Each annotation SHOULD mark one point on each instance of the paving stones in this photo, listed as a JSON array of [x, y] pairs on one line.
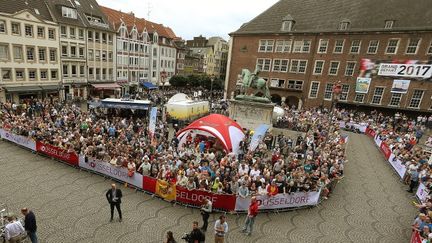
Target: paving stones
[[368, 205]]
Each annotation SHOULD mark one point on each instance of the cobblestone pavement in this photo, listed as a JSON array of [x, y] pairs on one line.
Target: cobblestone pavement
[[368, 205]]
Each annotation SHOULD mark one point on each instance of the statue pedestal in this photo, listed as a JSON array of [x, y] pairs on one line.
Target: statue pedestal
[[249, 114]]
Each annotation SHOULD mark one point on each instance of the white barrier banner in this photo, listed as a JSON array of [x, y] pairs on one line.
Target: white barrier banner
[[361, 127], [280, 201], [422, 192], [20, 140], [378, 141], [119, 173], [397, 165]]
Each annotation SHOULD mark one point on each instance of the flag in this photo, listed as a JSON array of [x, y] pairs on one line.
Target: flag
[[166, 190], [152, 122], [258, 136]]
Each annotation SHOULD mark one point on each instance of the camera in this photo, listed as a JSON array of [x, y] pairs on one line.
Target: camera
[[187, 237]]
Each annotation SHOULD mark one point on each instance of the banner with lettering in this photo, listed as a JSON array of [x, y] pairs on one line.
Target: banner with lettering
[[20, 140], [280, 201], [165, 190], [196, 198], [58, 153], [116, 172]]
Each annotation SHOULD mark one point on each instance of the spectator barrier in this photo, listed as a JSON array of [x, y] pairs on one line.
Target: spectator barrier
[[163, 189]]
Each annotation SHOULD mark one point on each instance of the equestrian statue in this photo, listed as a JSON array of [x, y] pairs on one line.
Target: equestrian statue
[[252, 81]]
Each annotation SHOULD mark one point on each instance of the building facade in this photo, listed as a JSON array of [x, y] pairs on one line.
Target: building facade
[[145, 50], [72, 48], [214, 52], [303, 56], [29, 52]]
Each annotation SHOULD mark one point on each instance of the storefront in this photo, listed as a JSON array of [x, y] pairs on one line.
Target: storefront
[[105, 90]]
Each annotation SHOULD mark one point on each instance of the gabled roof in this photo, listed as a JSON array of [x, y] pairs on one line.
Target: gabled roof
[[55, 7], [325, 15], [15, 6], [118, 17], [92, 8]]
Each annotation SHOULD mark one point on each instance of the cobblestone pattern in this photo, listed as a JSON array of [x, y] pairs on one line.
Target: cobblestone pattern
[[368, 205]]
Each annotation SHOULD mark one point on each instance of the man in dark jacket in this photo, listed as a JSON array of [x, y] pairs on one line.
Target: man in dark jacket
[[30, 224], [114, 196]]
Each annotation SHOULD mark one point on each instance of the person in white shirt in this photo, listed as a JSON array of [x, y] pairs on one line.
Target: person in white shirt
[[254, 172], [14, 230], [221, 228], [244, 169]]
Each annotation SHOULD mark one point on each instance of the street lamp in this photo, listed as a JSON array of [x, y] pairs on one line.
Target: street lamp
[[337, 89], [211, 91]]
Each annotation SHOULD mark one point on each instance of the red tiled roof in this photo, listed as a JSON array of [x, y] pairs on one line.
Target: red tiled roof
[[116, 17]]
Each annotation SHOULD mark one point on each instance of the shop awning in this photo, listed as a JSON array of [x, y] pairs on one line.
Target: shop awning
[[149, 85], [23, 88], [50, 87], [106, 86]]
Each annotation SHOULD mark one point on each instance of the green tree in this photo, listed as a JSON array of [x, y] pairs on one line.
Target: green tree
[[193, 81], [178, 81]]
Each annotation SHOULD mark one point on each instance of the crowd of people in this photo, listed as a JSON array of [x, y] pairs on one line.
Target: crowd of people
[[279, 164]]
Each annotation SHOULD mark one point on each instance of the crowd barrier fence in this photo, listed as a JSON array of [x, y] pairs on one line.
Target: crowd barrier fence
[[162, 189]]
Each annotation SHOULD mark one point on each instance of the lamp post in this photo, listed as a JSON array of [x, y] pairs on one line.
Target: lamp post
[[337, 89], [211, 91]]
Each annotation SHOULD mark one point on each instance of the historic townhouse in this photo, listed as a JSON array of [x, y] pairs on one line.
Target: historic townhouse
[[29, 51], [214, 52], [100, 50], [72, 47], [303, 51], [145, 50]]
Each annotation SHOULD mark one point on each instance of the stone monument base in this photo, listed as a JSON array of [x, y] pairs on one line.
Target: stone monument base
[[250, 114]]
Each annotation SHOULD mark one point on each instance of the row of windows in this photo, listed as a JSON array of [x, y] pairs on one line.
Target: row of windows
[[73, 33], [27, 30], [376, 99], [300, 66], [32, 54], [20, 74], [133, 61], [72, 51], [100, 73], [303, 46], [99, 37], [132, 47], [73, 70], [97, 55]]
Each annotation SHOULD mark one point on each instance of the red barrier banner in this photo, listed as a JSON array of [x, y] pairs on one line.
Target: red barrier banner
[[196, 197], [58, 153], [370, 132], [149, 184], [385, 149], [415, 237]]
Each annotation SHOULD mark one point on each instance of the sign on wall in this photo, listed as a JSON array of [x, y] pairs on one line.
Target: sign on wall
[[405, 70], [362, 85]]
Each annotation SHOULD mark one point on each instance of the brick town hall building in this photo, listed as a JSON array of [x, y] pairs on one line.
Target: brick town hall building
[[304, 47]]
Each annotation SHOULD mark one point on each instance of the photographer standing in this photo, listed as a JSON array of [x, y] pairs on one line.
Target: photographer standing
[[206, 209], [196, 236]]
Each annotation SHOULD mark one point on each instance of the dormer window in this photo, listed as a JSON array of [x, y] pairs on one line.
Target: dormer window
[[388, 24], [155, 38], [123, 32], [69, 12], [287, 23], [344, 24]]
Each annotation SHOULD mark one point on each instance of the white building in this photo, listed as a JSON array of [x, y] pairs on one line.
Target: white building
[[29, 52]]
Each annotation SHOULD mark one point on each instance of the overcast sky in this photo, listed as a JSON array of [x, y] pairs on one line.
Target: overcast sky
[[189, 18]]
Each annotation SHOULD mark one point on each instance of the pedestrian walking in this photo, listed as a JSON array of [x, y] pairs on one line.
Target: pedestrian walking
[[221, 228], [114, 196], [14, 231], [250, 218], [170, 238], [206, 209], [30, 224]]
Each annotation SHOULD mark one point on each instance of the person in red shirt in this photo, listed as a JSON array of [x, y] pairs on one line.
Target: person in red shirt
[[250, 218]]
